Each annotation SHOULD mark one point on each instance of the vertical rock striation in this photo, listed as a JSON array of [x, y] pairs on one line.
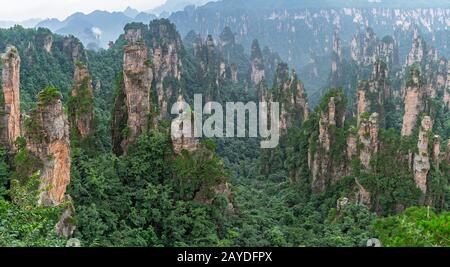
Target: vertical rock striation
[[137, 76], [10, 128], [414, 100], [422, 157], [257, 60], [81, 106], [47, 134]]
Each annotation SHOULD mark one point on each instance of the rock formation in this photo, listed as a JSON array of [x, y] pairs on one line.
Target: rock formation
[[137, 75], [371, 94], [414, 100], [186, 141], [422, 157], [447, 90], [337, 54], [73, 48], [368, 137], [257, 60], [363, 47], [10, 118], [166, 62], [290, 93], [81, 105], [387, 51], [47, 135], [324, 168], [418, 51]]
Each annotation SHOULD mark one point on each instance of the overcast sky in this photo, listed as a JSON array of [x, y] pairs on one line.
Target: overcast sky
[[19, 10]]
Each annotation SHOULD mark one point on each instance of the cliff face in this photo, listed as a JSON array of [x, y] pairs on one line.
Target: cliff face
[[137, 76], [47, 134], [414, 101], [422, 157], [257, 60], [166, 61], [387, 51], [336, 59], [447, 90], [368, 137], [73, 48], [324, 169], [290, 93], [10, 129], [185, 141], [81, 106], [363, 47], [371, 94], [418, 51]]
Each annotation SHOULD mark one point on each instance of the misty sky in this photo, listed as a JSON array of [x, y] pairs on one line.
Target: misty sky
[[18, 10]]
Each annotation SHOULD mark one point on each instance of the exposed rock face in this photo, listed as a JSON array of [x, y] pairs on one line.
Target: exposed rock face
[[414, 98], [323, 168], [258, 71], [10, 129], [422, 157], [437, 150], [363, 197], [138, 78], [447, 90], [368, 136], [48, 44], [82, 112], [387, 51], [337, 54], [185, 142], [290, 93], [223, 189], [372, 93], [167, 45], [363, 47], [418, 51], [234, 73], [48, 139], [73, 48]]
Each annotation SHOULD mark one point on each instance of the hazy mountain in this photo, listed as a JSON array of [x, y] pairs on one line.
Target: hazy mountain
[[171, 6], [98, 28], [30, 23]]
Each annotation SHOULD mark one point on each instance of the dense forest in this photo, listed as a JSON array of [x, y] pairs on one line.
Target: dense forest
[[87, 154]]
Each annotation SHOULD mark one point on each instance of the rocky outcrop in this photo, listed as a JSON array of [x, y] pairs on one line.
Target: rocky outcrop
[[371, 94], [363, 197], [81, 106], [185, 141], [387, 51], [10, 111], [234, 73], [166, 62], [363, 47], [73, 48], [368, 137], [47, 135], [324, 168], [257, 60], [336, 55], [290, 93], [447, 90], [414, 100], [137, 76], [422, 157], [418, 51]]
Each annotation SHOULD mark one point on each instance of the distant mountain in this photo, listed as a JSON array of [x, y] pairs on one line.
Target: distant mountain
[[171, 6], [30, 23], [98, 28]]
